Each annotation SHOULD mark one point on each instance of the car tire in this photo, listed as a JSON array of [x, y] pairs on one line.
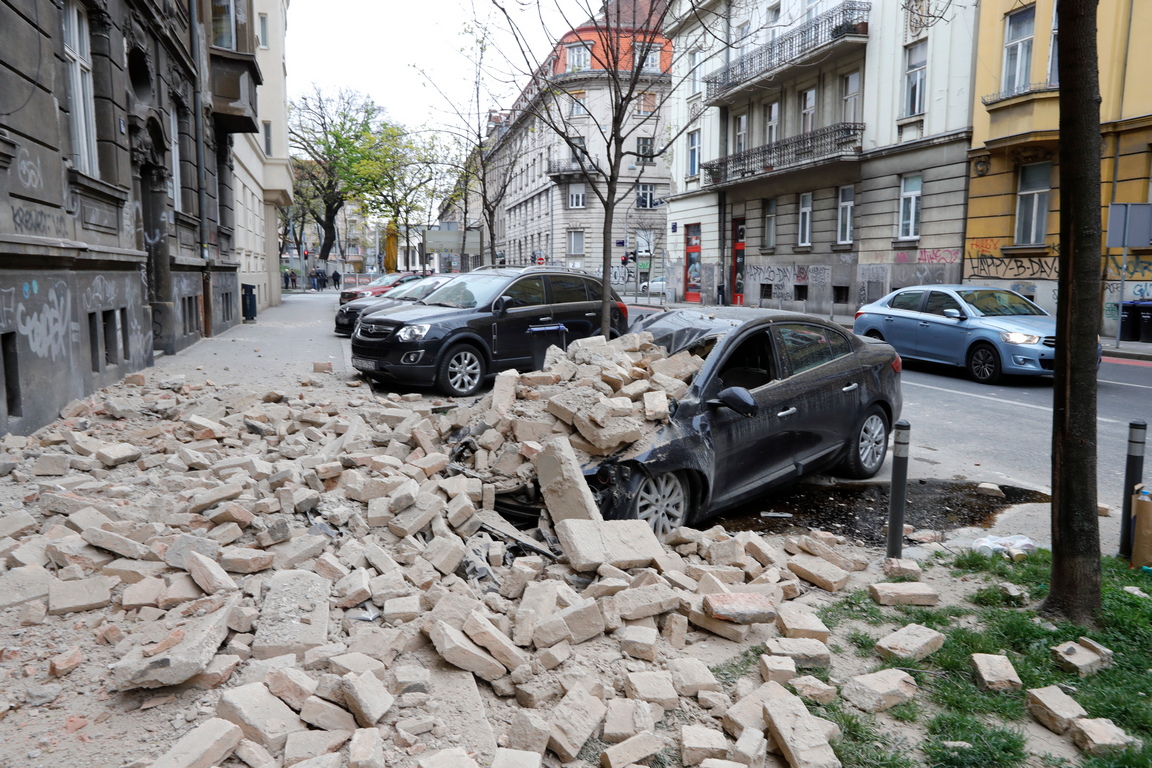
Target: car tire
[[461, 371], [664, 502], [869, 444], [984, 364], [875, 335]]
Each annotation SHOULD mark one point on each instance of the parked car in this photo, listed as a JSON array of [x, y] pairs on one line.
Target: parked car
[[779, 397], [349, 314], [657, 286], [377, 287], [480, 323], [988, 331]]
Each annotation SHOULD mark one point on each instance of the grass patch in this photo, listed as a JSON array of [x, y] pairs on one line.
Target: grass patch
[[865, 644], [862, 744], [990, 597], [908, 712], [855, 605], [992, 747], [728, 672], [939, 619]]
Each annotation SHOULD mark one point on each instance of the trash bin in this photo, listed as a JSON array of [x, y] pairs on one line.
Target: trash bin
[[1130, 321], [1146, 322], [543, 336], [248, 302]]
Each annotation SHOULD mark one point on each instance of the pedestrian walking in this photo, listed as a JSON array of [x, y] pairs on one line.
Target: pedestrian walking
[[292, 277], [315, 274], [284, 276], [335, 279], [323, 278]]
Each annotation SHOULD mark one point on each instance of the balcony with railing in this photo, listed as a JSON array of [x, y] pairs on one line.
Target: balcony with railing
[[1023, 90], [837, 142], [571, 167], [842, 28]]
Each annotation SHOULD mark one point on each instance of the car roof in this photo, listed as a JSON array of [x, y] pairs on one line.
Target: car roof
[[677, 329], [953, 287]]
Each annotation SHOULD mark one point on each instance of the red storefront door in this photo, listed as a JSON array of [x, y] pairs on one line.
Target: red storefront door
[[692, 262], [738, 262]]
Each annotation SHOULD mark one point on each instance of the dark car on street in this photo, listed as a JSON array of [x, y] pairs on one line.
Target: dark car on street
[[378, 287], [349, 314], [989, 332], [779, 397], [482, 322]]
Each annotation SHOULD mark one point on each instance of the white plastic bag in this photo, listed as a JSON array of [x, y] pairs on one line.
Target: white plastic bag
[[1015, 547]]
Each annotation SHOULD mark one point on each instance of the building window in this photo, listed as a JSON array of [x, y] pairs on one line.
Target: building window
[[910, 206], [263, 30], [740, 133], [772, 22], [850, 97], [645, 195], [812, 8], [1018, 50], [78, 58], [1032, 204], [579, 57], [772, 122], [576, 242], [769, 240], [1053, 50], [645, 103], [847, 200], [579, 152], [808, 110], [644, 151], [268, 138], [576, 195], [647, 58], [693, 153], [644, 240], [224, 24], [174, 152], [743, 36], [800, 293], [694, 71], [579, 103], [915, 70], [804, 230]]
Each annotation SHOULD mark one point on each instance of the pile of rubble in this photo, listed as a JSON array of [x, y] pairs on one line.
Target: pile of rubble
[[281, 581]]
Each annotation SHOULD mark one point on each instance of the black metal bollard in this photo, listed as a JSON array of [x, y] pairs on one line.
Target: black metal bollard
[[899, 492], [1133, 476]]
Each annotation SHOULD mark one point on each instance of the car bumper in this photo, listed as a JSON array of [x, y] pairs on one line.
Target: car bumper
[[411, 363], [1027, 359]]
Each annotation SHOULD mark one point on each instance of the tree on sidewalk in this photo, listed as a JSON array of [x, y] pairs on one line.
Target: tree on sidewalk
[[1074, 590]]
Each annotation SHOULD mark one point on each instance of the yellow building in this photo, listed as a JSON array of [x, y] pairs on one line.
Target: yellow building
[[1012, 237]]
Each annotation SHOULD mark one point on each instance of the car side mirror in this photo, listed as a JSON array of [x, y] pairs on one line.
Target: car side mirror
[[954, 314], [738, 399], [500, 306]]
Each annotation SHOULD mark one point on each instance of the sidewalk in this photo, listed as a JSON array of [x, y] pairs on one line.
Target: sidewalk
[[1128, 350]]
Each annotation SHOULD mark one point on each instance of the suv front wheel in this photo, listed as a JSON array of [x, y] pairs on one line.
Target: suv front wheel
[[461, 371]]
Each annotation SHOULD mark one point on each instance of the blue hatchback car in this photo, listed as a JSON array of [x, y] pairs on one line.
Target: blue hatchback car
[[989, 331]]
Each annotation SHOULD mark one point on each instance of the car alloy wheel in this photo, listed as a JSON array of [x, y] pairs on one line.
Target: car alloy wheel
[[984, 364], [662, 502], [872, 442], [462, 371]]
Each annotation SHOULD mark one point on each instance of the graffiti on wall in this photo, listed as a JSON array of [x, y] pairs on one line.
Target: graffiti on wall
[[929, 256], [34, 221], [1137, 267], [28, 170], [1013, 267], [46, 322]]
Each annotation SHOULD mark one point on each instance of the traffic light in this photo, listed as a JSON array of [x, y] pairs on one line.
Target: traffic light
[[631, 255], [305, 253], [624, 260]]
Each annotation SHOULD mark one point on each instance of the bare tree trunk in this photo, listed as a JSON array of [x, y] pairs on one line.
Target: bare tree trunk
[[1075, 583], [606, 253]]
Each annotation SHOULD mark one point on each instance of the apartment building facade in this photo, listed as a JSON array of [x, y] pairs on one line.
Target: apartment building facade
[[261, 172], [115, 238], [823, 153], [554, 147], [1014, 183]]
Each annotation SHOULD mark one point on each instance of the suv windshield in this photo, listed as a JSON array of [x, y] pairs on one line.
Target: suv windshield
[[991, 303], [468, 291], [421, 288]]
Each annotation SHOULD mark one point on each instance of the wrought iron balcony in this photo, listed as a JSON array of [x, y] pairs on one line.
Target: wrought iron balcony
[[571, 166], [836, 142], [846, 23], [1044, 87]]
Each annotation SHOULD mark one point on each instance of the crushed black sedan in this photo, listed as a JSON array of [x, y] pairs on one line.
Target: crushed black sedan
[[779, 397]]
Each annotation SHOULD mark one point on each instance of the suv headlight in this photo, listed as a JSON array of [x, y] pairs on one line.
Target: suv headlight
[[412, 332], [1016, 337]]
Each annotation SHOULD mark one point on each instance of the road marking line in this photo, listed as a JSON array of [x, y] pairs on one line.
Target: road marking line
[[1124, 384], [1000, 400]]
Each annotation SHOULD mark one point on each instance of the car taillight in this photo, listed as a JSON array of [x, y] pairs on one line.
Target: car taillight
[[858, 313], [897, 365], [623, 309]]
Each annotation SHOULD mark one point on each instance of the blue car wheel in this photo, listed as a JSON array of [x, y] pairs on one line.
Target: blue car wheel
[[984, 364]]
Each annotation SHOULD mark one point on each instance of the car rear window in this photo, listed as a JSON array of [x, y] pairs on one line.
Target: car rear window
[[595, 289], [909, 300], [567, 289], [807, 346]]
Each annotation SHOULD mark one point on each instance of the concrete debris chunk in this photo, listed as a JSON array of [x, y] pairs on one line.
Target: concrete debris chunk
[[904, 593], [995, 673], [457, 649], [261, 716], [207, 745], [573, 721], [795, 731], [820, 572], [366, 697], [740, 608], [1055, 709], [191, 648], [912, 641], [1100, 736], [293, 615], [625, 718], [624, 544], [698, 743], [562, 483], [804, 651], [640, 747], [881, 690], [1084, 656]]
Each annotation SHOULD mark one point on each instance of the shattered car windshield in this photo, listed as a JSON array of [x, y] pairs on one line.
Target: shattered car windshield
[[468, 291], [990, 303]]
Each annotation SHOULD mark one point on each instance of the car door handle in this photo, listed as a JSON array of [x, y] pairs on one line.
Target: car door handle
[[854, 385], [591, 314], [789, 412], [889, 319], [544, 320], [923, 324]]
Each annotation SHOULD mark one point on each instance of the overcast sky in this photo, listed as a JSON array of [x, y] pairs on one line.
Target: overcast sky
[[378, 47]]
